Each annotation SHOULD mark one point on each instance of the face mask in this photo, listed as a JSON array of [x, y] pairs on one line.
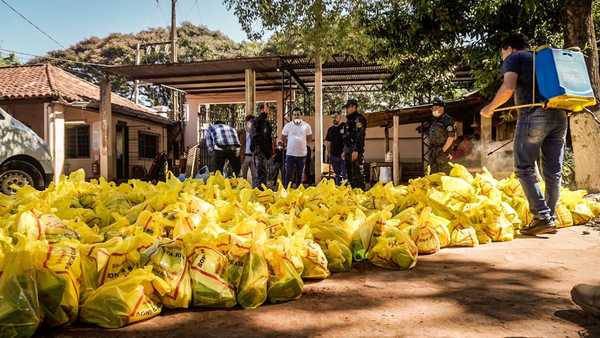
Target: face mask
[[297, 121], [437, 113]]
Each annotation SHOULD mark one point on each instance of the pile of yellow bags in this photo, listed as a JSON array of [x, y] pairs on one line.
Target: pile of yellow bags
[[112, 254]]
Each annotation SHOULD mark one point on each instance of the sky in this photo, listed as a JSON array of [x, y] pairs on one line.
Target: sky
[[69, 21]]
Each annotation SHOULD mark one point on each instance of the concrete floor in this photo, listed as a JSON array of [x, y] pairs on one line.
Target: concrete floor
[[519, 288]]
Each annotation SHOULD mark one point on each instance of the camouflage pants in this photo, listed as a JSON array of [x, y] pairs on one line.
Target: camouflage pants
[[438, 161], [355, 171]]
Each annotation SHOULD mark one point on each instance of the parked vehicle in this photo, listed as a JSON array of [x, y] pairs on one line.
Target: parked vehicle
[[24, 156]]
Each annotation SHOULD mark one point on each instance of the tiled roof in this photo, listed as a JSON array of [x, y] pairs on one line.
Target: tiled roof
[[48, 81]]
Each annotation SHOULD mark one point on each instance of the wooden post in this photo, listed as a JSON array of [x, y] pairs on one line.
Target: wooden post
[[396, 150], [136, 88], [106, 140], [250, 91], [486, 138], [386, 131], [279, 119], [318, 132]]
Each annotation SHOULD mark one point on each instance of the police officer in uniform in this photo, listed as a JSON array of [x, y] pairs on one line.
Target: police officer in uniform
[[354, 145], [441, 133]]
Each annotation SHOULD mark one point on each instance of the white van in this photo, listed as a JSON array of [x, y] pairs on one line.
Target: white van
[[24, 156]]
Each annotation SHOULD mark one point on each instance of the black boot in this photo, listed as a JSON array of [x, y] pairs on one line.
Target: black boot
[[540, 226]]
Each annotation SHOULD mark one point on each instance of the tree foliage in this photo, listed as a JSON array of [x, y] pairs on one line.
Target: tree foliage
[[425, 41], [9, 60], [309, 27], [196, 43]]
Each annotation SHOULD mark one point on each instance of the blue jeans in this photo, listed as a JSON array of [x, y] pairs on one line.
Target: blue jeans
[[545, 131], [294, 166], [339, 168]]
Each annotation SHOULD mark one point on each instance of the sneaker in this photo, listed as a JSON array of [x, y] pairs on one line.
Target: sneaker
[[587, 297], [540, 226]]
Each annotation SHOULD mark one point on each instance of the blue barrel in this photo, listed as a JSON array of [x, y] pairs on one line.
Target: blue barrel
[[562, 79]]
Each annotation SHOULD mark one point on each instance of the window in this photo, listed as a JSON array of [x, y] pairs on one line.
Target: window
[[77, 139], [147, 145]]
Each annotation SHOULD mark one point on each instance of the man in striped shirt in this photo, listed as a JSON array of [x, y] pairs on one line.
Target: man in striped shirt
[[223, 145]]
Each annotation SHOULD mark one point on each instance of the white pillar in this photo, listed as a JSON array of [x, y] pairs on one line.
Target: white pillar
[[318, 133], [57, 132], [396, 150]]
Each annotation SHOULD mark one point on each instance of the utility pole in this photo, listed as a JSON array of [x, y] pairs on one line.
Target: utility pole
[[173, 31], [174, 94]]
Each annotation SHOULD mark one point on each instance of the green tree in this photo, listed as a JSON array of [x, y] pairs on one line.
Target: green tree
[[425, 41], [10, 60]]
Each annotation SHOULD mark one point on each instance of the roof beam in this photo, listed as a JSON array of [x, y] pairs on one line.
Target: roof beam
[[297, 79]]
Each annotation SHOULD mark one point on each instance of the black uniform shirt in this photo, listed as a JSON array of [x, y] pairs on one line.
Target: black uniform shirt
[[336, 135], [356, 129], [439, 129]]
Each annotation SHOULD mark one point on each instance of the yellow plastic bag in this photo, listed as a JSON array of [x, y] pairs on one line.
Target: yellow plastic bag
[[582, 213], [125, 300], [464, 236], [20, 310], [394, 250], [58, 283], [461, 172], [563, 216], [426, 239], [111, 260], [169, 262], [252, 290], [457, 185], [37, 225], [285, 282], [339, 255], [314, 261], [208, 269]]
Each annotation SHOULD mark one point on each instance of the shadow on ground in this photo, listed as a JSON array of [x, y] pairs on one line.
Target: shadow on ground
[[483, 293]]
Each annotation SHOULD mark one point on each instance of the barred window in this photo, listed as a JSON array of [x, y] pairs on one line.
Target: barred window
[[147, 145], [77, 139]]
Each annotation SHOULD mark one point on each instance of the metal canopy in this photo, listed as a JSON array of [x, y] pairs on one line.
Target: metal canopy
[[416, 114], [218, 76]]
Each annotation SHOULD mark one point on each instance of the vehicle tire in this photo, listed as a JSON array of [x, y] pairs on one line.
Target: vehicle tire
[[19, 173]]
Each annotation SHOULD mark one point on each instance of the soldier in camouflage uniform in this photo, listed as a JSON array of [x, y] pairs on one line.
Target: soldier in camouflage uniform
[[354, 145], [441, 133]]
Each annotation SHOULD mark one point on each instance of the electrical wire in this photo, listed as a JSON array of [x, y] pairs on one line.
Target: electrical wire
[[8, 51], [31, 23]]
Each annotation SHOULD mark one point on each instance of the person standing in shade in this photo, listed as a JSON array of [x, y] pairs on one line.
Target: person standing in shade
[[277, 164], [296, 136], [441, 133], [223, 145], [247, 160], [538, 130], [335, 145], [354, 145], [262, 147]]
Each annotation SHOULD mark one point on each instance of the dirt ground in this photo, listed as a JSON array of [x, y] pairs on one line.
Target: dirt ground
[[513, 289]]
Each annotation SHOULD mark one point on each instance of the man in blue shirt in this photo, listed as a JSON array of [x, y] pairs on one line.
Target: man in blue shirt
[[247, 158], [538, 129], [223, 145]]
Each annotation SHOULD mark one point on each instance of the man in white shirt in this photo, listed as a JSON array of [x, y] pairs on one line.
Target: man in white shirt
[[296, 134]]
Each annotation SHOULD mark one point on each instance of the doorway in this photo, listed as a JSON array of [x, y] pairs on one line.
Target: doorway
[[122, 150]]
